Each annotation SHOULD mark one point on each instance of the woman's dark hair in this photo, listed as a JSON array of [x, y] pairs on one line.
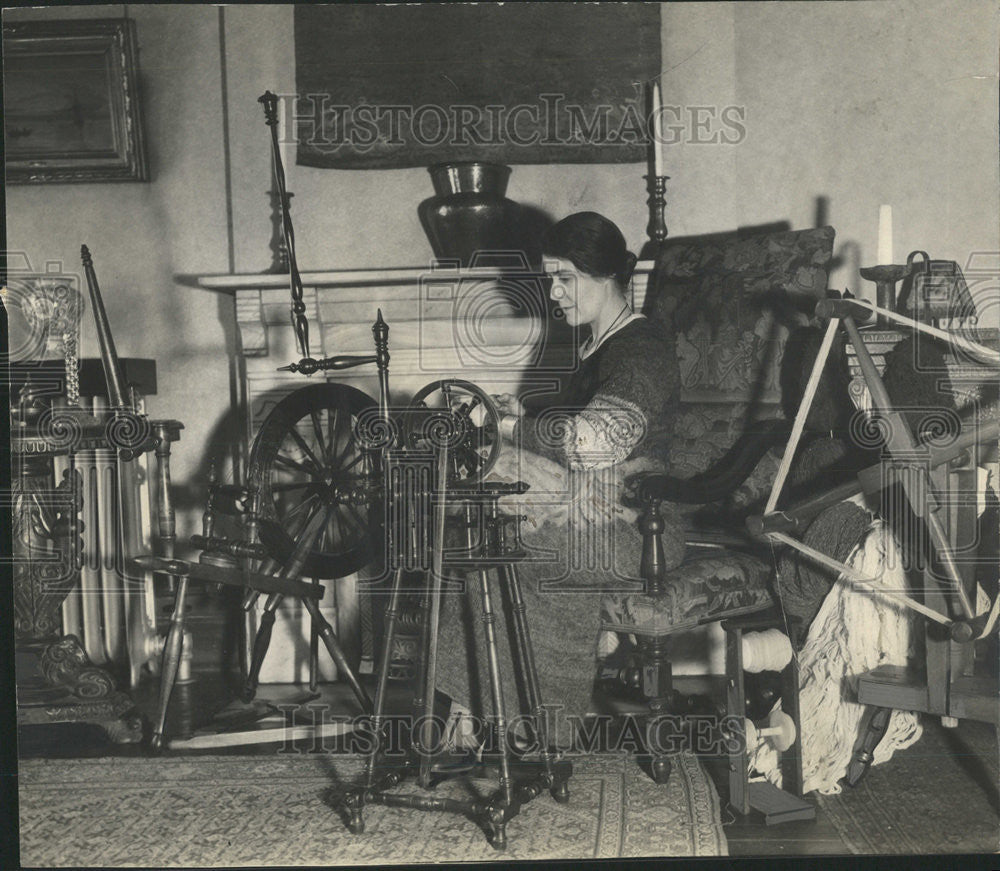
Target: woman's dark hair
[[593, 244]]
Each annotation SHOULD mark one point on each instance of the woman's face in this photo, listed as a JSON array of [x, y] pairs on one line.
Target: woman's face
[[579, 295]]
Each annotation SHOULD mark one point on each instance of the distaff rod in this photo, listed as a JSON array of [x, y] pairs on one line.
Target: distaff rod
[[270, 103]]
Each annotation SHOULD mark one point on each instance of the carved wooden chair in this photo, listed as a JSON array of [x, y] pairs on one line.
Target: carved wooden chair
[[729, 305]]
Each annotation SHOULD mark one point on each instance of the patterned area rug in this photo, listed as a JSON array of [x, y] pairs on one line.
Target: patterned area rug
[[914, 805], [212, 810]]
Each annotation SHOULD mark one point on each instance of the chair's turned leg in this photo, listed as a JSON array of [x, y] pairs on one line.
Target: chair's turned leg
[[171, 661], [261, 643], [657, 689]]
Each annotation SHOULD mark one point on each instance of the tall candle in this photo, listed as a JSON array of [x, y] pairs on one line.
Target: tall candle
[[657, 110], [884, 235]]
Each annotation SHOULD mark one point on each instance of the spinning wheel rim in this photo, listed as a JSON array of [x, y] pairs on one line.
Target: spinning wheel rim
[[322, 471], [477, 466]]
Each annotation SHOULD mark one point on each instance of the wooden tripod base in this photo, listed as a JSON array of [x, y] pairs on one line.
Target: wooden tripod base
[[491, 813]]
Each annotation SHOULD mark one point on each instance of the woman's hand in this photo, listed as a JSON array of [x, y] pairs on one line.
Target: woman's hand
[[507, 403], [511, 411]]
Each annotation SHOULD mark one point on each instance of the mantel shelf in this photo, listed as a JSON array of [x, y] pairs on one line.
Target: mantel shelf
[[403, 275]]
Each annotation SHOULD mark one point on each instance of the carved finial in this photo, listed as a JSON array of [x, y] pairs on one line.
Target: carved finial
[[381, 329], [307, 366], [85, 256], [270, 103]]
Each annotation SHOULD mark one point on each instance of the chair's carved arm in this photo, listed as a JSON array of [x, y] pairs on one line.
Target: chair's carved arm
[[725, 476], [653, 564]]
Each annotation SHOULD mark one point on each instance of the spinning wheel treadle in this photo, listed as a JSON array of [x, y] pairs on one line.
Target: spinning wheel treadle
[[311, 454]]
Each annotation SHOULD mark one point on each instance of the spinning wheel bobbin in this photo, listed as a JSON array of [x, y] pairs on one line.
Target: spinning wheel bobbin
[[780, 730]]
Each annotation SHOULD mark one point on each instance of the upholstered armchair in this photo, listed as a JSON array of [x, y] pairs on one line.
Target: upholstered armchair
[[738, 309]]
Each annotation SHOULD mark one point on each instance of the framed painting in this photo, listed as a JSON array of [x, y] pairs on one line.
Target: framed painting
[[71, 106]]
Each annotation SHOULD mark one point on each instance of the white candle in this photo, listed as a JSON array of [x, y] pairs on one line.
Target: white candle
[[657, 110], [884, 235]]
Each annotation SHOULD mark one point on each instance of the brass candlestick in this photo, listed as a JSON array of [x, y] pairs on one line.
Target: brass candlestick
[[656, 229], [279, 250], [885, 278]]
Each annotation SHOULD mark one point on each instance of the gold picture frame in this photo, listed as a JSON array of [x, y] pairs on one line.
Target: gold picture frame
[[71, 102]]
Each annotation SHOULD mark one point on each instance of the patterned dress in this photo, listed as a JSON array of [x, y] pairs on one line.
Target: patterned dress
[[611, 419]]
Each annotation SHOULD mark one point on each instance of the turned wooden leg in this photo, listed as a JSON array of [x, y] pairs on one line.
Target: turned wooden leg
[[167, 432], [660, 767], [494, 820], [261, 642], [496, 688], [657, 690], [875, 731], [310, 531], [382, 682], [332, 644], [432, 617], [313, 656], [560, 792], [171, 661], [165, 520], [354, 812]]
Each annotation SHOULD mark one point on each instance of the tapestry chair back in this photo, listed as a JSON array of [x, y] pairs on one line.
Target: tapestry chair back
[[728, 304]]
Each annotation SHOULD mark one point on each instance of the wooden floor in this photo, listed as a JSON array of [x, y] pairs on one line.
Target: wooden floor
[[196, 706]]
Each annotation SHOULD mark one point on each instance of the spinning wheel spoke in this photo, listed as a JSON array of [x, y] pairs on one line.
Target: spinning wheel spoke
[[355, 518], [338, 433], [320, 438], [351, 464], [471, 459], [300, 506], [299, 467], [282, 488], [331, 449], [301, 442], [315, 507], [329, 538]]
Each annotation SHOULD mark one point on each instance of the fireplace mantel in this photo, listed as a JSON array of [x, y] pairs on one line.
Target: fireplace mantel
[[479, 323]]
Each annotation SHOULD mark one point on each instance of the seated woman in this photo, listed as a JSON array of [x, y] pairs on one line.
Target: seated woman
[[611, 419]]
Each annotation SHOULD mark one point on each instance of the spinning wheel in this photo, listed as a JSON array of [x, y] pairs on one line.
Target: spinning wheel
[[459, 415], [310, 456]]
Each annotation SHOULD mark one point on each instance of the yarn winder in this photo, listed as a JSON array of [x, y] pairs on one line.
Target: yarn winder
[[947, 604]]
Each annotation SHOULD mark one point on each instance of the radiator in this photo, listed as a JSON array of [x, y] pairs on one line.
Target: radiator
[[113, 617]]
